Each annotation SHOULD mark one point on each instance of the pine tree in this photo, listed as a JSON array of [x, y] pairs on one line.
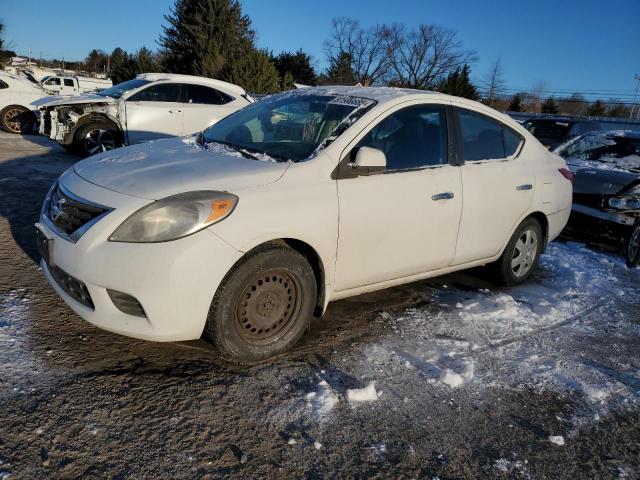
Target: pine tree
[[340, 71], [255, 72], [287, 82], [516, 103], [120, 68], [550, 106], [596, 109], [298, 65], [458, 83], [205, 37], [145, 61]]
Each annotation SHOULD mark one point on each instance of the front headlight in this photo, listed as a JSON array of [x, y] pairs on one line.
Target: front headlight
[[175, 217], [625, 203]]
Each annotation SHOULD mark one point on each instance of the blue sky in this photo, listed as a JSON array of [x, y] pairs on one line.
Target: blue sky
[[588, 45]]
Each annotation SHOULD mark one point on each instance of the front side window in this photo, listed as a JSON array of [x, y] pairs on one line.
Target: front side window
[[200, 94], [53, 81], [163, 92], [288, 126], [68, 82], [411, 138], [484, 138]]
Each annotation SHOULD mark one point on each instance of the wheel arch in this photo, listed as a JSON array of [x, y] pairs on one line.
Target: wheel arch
[[313, 258], [93, 117], [33, 114], [544, 224]]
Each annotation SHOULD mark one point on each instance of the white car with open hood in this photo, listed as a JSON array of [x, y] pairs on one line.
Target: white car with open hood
[[248, 230], [149, 107]]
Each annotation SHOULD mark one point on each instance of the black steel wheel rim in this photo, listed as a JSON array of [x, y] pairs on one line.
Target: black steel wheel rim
[[267, 307]]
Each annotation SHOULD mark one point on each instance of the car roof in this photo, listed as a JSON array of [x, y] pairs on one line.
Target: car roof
[[209, 82], [560, 118], [632, 134]]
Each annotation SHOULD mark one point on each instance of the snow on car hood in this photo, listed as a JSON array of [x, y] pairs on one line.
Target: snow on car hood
[[59, 100], [166, 167]]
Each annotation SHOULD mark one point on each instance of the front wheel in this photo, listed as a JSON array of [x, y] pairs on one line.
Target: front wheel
[[264, 305], [17, 119], [520, 257], [633, 246], [96, 138]]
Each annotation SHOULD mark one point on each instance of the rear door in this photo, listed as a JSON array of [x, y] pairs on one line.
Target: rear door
[[498, 184], [403, 221], [204, 106], [155, 112]]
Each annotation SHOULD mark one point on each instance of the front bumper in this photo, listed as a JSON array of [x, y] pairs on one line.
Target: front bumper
[[173, 281]]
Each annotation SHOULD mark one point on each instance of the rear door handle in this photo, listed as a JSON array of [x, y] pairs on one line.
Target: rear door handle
[[442, 196], [175, 111], [526, 186]]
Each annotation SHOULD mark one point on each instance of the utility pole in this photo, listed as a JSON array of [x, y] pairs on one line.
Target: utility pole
[[633, 105]]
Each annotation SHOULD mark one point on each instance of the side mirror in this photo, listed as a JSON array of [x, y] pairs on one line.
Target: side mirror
[[370, 160]]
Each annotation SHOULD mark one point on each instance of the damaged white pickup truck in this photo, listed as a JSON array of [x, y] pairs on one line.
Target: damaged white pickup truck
[[151, 106]]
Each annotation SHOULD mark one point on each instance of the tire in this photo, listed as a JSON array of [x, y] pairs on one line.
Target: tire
[[632, 249], [264, 304], [521, 255], [17, 119], [96, 138]]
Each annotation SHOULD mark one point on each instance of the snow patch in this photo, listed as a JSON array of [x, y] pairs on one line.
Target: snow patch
[[128, 157], [322, 401], [556, 440], [365, 394]]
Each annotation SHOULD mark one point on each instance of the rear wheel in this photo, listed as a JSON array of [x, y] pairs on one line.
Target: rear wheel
[[17, 119], [96, 138], [633, 246], [520, 257], [264, 305]]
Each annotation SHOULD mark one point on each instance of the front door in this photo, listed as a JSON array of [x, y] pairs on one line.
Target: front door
[[155, 112], [404, 221], [203, 107]]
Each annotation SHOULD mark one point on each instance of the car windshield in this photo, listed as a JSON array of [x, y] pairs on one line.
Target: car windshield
[[615, 149], [120, 89], [288, 126]]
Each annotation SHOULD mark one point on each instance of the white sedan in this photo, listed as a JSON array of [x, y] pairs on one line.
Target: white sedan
[[148, 107], [247, 231]]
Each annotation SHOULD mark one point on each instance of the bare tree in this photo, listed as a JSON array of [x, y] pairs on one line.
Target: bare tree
[[421, 58], [535, 96], [365, 47], [494, 83]]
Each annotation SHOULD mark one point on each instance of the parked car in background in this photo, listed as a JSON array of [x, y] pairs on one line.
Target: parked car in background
[[606, 192], [249, 229], [17, 115], [74, 85], [149, 107], [554, 130]]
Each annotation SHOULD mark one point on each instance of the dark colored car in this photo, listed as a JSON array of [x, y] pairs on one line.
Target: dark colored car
[[606, 189], [553, 131]]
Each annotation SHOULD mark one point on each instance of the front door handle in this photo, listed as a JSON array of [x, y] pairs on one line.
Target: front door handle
[[442, 196], [526, 186], [175, 111]]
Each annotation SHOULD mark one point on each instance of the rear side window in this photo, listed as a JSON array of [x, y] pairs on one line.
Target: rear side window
[[200, 94], [484, 138], [3, 85], [164, 92], [68, 82]]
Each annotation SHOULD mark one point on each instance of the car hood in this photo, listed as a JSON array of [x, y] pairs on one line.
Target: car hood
[[605, 182], [166, 167], [59, 100]]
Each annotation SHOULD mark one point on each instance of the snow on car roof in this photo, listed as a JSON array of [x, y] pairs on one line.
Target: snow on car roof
[[212, 82], [379, 94]]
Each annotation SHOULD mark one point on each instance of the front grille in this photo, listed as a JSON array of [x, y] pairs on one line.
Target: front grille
[[72, 286], [69, 214]]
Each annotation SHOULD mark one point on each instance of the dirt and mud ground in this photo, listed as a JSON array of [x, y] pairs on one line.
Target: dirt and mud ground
[[449, 378]]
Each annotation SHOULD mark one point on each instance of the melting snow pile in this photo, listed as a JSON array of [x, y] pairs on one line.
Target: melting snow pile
[[366, 394], [322, 401]]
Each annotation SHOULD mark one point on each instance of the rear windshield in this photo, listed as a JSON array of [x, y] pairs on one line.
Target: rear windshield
[[118, 90], [551, 129]]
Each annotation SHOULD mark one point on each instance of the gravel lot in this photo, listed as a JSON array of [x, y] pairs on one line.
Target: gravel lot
[[448, 378]]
